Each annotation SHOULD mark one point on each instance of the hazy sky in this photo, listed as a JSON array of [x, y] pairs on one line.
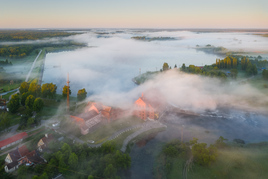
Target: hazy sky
[[134, 14]]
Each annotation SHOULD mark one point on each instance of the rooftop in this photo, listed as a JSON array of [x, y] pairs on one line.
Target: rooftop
[[12, 139]]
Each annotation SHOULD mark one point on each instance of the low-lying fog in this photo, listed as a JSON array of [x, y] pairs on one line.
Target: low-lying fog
[[106, 68], [111, 60]]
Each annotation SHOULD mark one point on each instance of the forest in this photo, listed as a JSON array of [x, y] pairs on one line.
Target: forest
[[18, 35], [19, 51]]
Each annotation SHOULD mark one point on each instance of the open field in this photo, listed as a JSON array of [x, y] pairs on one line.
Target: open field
[[120, 139], [237, 162], [106, 130], [249, 161]]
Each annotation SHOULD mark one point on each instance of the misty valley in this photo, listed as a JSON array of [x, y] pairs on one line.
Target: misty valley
[[133, 103]]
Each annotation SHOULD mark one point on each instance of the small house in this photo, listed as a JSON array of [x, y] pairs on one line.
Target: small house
[[43, 143]]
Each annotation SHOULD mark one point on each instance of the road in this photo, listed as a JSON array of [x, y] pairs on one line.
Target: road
[[143, 128], [29, 74], [2, 94], [146, 127], [27, 77]]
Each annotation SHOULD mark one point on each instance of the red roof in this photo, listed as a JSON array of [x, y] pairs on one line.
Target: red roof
[[12, 139], [23, 150]]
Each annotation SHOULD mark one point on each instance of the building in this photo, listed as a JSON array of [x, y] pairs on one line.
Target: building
[[43, 143], [87, 120], [99, 108], [149, 106], [21, 156], [12, 140], [143, 109]]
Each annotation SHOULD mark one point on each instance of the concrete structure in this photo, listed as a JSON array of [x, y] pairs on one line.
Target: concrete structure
[[12, 140]]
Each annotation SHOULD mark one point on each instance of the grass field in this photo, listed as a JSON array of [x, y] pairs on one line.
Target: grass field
[[120, 139], [7, 95], [106, 130], [234, 162]]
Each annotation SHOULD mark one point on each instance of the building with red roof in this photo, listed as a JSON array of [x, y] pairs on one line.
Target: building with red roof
[[21, 156], [12, 140]]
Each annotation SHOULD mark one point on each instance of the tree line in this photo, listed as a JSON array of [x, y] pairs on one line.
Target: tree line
[[18, 35], [79, 161]]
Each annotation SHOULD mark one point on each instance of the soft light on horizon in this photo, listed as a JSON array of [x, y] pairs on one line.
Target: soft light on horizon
[[134, 14]]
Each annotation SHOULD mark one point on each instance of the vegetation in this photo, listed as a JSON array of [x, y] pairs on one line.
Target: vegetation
[[106, 130], [65, 91], [18, 35], [5, 63], [14, 103], [144, 38], [49, 90], [213, 50], [80, 161], [265, 74], [81, 94], [165, 66]]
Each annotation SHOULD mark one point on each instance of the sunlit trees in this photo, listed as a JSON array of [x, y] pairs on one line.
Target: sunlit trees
[[29, 101], [165, 66], [34, 88], [64, 91], [81, 94], [24, 86], [202, 154], [48, 90], [23, 98]]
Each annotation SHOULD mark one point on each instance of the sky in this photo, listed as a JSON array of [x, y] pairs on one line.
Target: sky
[[134, 14]]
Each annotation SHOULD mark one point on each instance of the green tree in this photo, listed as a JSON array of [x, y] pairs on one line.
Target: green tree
[[110, 171], [81, 94], [73, 160], [220, 143], [64, 91], [203, 155], [234, 73], [23, 98], [90, 177], [63, 168], [24, 86], [38, 104], [183, 68], [165, 66], [4, 121], [44, 176], [265, 74], [29, 101], [66, 149], [30, 121], [14, 103]]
